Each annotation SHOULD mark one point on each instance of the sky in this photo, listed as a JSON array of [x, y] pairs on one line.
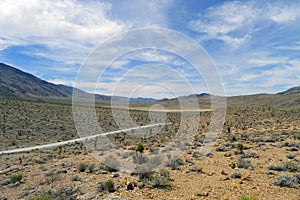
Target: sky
[[255, 45]]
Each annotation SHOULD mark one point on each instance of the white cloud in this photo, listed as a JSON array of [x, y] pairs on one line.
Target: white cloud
[[68, 28], [284, 13], [235, 22], [219, 21], [140, 13], [266, 61]]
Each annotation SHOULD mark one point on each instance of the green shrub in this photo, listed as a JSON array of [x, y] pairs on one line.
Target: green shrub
[[162, 179], [288, 166], [286, 180], [15, 177], [92, 168], [140, 148], [240, 147], [110, 185], [245, 197], [232, 165], [82, 167]]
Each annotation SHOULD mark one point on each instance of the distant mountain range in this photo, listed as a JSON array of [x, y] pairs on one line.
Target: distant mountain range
[[16, 84]]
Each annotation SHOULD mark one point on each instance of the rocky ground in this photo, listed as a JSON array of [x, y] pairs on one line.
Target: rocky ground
[[256, 157]]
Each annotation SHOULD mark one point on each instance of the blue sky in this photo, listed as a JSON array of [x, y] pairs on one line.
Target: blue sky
[[254, 44]]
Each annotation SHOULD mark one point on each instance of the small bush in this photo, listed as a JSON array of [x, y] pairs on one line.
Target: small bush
[[92, 168], [140, 148], [286, 180], [110, 185], [276, 167], [232, 165], [290, 166], [15, 177], [111, 164], [161, 180], [221, 149], [82, 167], [245, 197], [250, 155], [243, 163], [175, 163], [240, 147], [236, 175], [75, 178]]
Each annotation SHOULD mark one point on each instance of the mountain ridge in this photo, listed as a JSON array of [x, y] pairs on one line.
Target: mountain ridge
[[17, 84]]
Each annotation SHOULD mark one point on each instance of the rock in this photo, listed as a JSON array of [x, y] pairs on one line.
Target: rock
[[115, 175], [201, 194], [130, 186], [223, 172], [226, 179], [228, 154]]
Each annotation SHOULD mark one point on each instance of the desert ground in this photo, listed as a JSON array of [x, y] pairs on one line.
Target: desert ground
[[255, 157]]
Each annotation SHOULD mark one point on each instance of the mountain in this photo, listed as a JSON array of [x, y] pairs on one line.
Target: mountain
[[294, 90], [17, 84]]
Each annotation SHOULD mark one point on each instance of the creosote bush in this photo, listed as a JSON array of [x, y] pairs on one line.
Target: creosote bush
[[286, 180], [15, 177], [140, 148], [82, 167]]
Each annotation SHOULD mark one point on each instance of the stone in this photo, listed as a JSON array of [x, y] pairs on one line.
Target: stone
[[201, 194]]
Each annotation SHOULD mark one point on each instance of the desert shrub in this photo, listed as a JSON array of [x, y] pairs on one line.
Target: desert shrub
[[240, 147], [92, 168], [229, 145], [175, 163], [111, 164], [232, 165], [110, 185], [236, 175], [286, 180], [221, 149], [82, 167], [15, 177], [243, 163], [75, 178], [162, 179], [288, 166], [250, 155], [139, 159], [290, 156], [245, 197], [276, 167], [140, 148]]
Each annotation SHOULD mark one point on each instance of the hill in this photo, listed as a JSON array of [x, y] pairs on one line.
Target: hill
[[16, 84], [294, 90]]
